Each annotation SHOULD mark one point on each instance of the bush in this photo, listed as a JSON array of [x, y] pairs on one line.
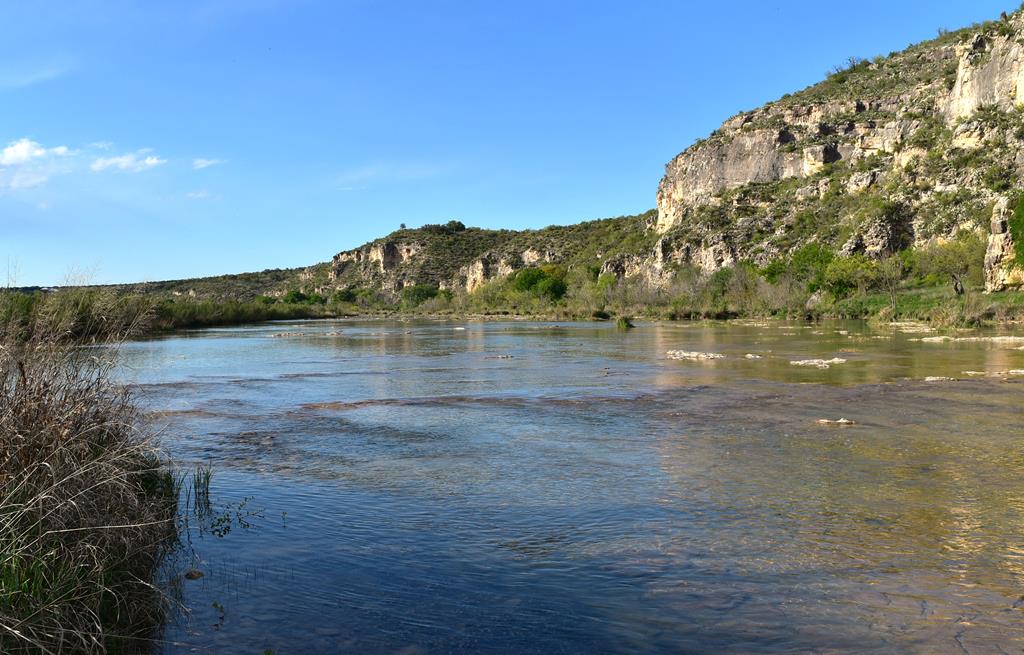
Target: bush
[[417, 294], [844, 275], [551, 287], [546, 282], [451, 227], [344, 295], [809, 264], [294, 297]]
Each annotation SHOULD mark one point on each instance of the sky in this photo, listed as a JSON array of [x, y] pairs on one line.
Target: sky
[[146, 141]]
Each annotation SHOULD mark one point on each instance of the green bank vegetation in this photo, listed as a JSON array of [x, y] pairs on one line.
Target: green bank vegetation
[[86, 506], [941, 283]]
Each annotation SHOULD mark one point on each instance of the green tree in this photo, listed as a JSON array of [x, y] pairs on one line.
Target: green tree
[[844, 275], [527, 279], [960, 261]]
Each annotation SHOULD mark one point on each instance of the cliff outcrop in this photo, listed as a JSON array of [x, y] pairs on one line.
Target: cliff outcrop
[[936, 131]]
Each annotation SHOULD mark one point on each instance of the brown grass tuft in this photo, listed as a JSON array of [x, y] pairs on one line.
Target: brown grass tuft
[[86, 507]]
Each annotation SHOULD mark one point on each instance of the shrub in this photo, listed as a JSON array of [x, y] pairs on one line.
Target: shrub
[[551, 287], [417, 294], [344, 295], [844, 275], [451, 227], [546, 282], [294, 297], [527, 279]]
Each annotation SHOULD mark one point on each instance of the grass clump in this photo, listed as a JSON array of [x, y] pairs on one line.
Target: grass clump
[[85, 505]]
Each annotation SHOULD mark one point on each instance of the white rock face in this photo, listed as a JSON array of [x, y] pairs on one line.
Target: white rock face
[[990, 73], [1001, 272]]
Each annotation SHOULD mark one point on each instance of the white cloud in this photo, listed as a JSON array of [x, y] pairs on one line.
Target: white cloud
[[24, 151], [202, 194], [133, 162], [25, 164], [199, 163]]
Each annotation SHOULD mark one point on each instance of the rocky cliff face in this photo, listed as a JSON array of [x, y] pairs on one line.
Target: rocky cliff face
[[458, 258], [377, 262], [899, 151], [934, 131], [1001, 271]]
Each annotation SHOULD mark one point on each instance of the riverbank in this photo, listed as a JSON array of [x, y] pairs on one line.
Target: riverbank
[[94, 311], [937, 307], [87, 506]]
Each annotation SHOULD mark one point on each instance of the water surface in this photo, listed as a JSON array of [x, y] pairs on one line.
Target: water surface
[[446, 487]]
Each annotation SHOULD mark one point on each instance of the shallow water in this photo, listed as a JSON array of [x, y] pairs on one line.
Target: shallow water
[[432, 487]]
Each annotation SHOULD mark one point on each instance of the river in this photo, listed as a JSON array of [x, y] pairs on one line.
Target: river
[[514, 487]]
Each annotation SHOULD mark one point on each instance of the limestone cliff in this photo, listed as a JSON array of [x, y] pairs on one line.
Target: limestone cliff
[[455, 257], [883, 154]]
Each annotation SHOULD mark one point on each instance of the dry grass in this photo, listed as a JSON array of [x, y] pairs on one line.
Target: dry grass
[[85, 506]]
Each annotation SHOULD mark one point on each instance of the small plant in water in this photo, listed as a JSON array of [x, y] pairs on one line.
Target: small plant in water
[[624, 323], [201, 477]]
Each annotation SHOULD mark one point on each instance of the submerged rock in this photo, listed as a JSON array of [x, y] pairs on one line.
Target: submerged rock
[[1016, 372], [692, 355], [818, 363]]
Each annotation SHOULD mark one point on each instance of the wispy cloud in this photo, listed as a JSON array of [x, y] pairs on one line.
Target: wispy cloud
[[18, 76], [200, 163], [132, 162], [202, 194], [383, 172], [25, 163]]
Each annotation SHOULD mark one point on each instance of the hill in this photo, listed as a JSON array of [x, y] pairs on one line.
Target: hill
[[898, 174]]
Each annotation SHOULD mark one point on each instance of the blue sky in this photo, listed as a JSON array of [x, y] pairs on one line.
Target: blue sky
[[148, 140]]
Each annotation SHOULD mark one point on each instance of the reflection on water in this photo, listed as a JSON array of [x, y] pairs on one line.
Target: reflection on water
[[518, 487]]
